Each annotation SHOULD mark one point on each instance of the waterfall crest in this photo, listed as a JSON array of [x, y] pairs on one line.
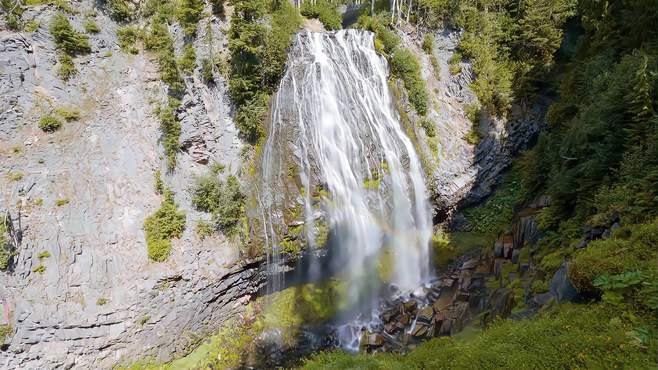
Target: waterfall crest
[[333, 116]]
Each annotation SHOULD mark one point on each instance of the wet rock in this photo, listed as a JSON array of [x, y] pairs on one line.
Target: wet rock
[[515, 255], [498, 249], [562, 288], [500, 304], [542, 299], [426, 315]]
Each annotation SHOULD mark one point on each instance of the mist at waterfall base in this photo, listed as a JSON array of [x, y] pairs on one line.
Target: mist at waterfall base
[[334, 114]]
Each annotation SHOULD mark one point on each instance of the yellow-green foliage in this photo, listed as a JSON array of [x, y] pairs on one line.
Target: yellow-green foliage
[[406, 67], [428, 43], [68, 114], [304, 304], [5, 332], [166, 223], [91, 26], [616, 255], [39, 269], [325, 11], [101, 301], [43, 254], [61, 202], [496, 212], [447, 247], [15, 176], [170, 128], [31, 26], [223, 199], [49, 123], [569, 337], [159, 41], [189, 14], [429, 126], [69, 43], [5, 254], [66, 68], [187, 61], [128, 36], [204, 229]]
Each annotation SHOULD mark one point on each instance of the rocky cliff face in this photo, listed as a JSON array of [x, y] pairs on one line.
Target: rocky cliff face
[[460, 172], [78, 198]]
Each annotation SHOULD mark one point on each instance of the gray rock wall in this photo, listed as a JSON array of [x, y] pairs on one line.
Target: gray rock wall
[[458, 171], [100, 301]]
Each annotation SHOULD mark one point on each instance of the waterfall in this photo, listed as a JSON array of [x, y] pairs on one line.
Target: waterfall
[[333, 117]]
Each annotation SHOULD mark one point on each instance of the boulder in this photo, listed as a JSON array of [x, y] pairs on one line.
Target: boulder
[[500, 304], [562, 288], [426, 315]]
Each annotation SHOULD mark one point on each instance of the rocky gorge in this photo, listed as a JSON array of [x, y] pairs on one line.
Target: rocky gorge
[[80, 291]]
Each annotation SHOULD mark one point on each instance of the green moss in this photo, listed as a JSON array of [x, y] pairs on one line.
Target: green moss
[[49, 123], [372, 184], [614, 256], [15, 176], [31, 26], [447, 247], [306, 304], [5, 332], [68, 114], [43, 254], [61, 202], [102, 301], [166, 223], [495, 214], [325, 12], [569, 337], [39, 269], [91, 26]]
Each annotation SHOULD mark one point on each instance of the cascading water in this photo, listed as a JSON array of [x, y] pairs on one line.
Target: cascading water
[[334, 118]]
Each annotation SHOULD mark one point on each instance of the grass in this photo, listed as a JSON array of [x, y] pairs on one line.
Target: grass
[[49, 123], [68, 114], [496, 212], [15, 176], [447, 247], [39, 269], [568, 337], [91, 26], [429, 126], [128, 37], [204, 229], [31, 26]]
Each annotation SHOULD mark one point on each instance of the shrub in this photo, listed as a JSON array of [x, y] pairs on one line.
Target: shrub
[[429, 127], [120, 10], [453, 63], [66, 68], [67, 39], [217, 7], [189, 14], [159, 185], [31, 26], [39, 269], [204, 229], [170, 128], [166, 223], [43, 254], [68, 114], [5, 332], [249, 117], [49, 123], [61, 202], [187, 61], [406, 67], [615, 256], [496, 212], [473, 136], [159, 40], [206, 70], [436, 67], [325, 12], [223, 199], [91, 26], [428, 43], [15, 176], [13, 11], [128, 36], [102, 301]]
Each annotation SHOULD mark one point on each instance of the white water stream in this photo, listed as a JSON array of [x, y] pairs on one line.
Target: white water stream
[[346, 135]]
